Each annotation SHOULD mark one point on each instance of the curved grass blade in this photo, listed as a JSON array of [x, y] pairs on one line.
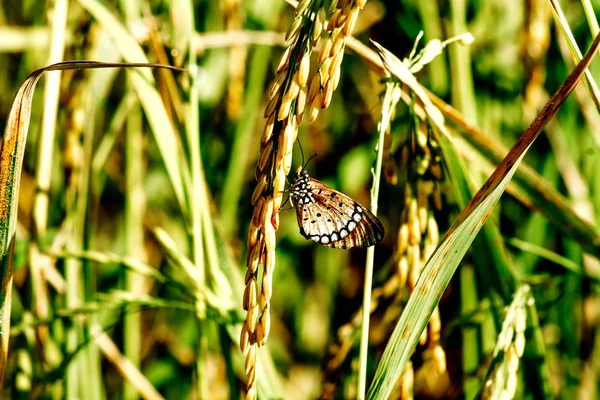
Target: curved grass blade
[[443, 263], [12, 149]]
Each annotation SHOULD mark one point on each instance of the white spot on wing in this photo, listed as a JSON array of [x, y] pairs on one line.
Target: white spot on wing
[[356, 217], [315, 238], [351, 225], [343, 233], [334, 237], [324, 239]]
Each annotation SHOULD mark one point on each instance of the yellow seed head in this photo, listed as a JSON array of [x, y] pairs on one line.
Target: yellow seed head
[[414, 232], [250, 359], [264, 156], [265, 213], [300, 103], [343, 16], [335, 78], [270, 237], [439, 358], [252, 373], [284, 109], [520, 343], [338, 45], [284, 60], [250, 294], [511, 387], [428, 250], [252, 318], [293, 30], [315, 88], [256, 220], [512, 359], [348, 27], [289, 136], [268, 131], [259, 189], [270, 108], [327, 94], [275, 218], [267, 286], [279, 182], [508, 338], [414, 269], [252, 235], [303, 70], [313, 111], [433, 232], [277, 200], [408, 381], [333, 19], [276, 84], [252, 260], [520, 320], [324, 71], [402, 242], [302, 6], [260, 337], [287, 164], [319, 25], [423, 338], [293, 90], [269, 262], [402, 271], [325, 50], [265, 322], [435, 326], [244, 339]]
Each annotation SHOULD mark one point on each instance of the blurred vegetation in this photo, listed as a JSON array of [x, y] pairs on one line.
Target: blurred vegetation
[[135, 196]]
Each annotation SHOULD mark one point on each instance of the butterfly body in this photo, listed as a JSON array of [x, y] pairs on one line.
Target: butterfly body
[[331, 218]]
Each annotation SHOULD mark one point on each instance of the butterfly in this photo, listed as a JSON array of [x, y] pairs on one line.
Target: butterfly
[[331, 218]]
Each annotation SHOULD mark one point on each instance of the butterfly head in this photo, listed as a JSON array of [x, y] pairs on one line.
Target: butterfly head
[[300, 190]]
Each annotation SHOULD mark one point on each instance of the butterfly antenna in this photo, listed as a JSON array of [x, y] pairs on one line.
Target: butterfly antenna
[[311, 157], [301, 150]]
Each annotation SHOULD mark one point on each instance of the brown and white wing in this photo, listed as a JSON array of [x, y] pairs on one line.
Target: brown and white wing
[[335, 220], [368, 232]]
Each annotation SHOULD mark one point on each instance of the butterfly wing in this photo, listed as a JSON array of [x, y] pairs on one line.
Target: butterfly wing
[[368, 232], [335, 220]]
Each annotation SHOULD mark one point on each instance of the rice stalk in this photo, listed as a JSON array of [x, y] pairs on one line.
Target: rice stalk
[[327, 77], [283, 112], [501, 382], [418, 236]]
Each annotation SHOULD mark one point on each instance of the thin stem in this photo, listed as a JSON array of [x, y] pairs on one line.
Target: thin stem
[[58, 23], [134, 213], [390, 99], [588, 9], [196, 204]]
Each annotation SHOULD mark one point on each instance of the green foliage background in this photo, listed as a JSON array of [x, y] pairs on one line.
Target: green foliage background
[[112, 188]]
